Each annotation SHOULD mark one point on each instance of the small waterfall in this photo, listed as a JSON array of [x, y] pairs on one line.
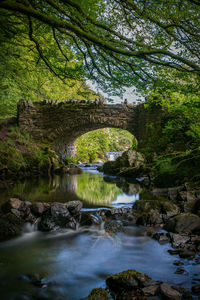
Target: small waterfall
[[30, 227], [113, 155]]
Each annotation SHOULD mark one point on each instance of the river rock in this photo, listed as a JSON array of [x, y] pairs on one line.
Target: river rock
[[86, 219], [173, 193], [98, 294], [130, 279], [100, 168], [74, 170], [196, 289], [169, 293], [39, 208], [12, 203], [113, 226], [10, 226], [150, 290], [59, 216], [178, 240], [185, 222], [150, 219], [74, 207], [125, 165], [162, 237], [134, 158], [186, 253]]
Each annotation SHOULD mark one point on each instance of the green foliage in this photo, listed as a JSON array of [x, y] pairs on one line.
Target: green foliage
[[184, 112], [19, 153], [115, 43], [176, 168], [94, 145], [23, 73], [69, 160]]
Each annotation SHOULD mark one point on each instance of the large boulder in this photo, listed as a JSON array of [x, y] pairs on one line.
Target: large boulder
[[74, 207], [12, 203], [130, 279], [185, 222], [60, 215], [132, 158], [154, 212], [129, 164], [169, 293], [38, 208]]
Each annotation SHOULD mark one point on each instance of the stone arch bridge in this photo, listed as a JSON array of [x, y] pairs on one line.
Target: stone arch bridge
[[62, 123]]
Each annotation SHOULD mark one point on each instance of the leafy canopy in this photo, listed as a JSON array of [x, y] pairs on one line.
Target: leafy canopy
[[113, 42], [24, 75]]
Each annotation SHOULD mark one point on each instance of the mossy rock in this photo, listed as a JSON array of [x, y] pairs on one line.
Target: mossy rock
[[113, 226], [10, 226], [111, 168], [131, 163], [162, 205], [185, 222], [150, 219], [142, 206], [127, 280], [98, 294]]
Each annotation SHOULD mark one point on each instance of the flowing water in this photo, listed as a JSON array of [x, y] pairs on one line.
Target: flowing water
[[69, 264]]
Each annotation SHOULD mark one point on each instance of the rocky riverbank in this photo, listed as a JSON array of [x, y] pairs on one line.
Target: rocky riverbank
[[22, 157], [131, 284], [164, 221], [166, 171]]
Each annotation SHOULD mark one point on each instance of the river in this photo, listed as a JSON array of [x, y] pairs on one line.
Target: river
[[69, 264]]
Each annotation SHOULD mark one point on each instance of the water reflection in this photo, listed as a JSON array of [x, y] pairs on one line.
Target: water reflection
[[92, 188]]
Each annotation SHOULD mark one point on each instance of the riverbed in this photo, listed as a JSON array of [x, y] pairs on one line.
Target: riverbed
[[68, 264]]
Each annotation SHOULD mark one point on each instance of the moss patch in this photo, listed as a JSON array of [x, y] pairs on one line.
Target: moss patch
[[129, 279], [19, 154], [98, 294]]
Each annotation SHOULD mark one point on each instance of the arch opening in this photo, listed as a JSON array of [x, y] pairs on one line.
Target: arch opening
[[95, 145]]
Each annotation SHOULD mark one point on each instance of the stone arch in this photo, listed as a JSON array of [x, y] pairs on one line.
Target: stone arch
[[60, 123]]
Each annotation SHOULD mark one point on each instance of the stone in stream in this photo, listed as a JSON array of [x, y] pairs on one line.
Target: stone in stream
[[12, 203], [10, 226], [177, 263], [180, 270], [169, 293], [130, 279], [161, 237], [196, 289], [60, 215], [113, 226], [74, 207], [38, 208], [185, 222], [86, 219], [179, 240], [131, 284], [98, 294]]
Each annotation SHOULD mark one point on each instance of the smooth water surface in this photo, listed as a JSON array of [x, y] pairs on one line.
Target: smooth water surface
[[72, 263], [69, 264], [91, 187]]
